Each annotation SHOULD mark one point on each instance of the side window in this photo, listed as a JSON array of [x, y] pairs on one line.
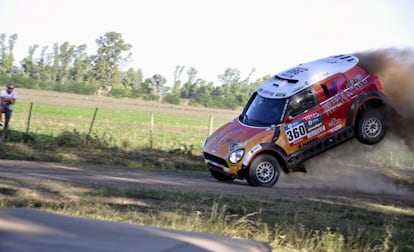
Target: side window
[[302, 101], [333, 85]]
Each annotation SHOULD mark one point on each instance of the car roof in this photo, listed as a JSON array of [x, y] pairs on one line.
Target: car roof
[[294, 80]]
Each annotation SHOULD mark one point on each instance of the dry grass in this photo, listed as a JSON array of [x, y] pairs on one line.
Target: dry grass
[[287, 225]]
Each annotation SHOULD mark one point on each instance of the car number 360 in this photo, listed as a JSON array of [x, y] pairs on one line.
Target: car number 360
[[296, 132]]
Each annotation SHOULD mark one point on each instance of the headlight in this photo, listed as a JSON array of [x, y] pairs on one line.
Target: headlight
[[236, 156]]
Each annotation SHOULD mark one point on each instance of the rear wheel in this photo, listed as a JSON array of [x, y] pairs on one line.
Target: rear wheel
[[220, 176], [371, 126], [263, 171]]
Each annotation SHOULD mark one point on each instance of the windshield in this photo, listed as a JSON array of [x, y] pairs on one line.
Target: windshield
[[264, 112]]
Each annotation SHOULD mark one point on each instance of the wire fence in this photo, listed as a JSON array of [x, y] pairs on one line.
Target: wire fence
[[165, 130]]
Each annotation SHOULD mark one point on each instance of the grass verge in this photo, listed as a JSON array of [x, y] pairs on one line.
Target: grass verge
[[286, 224]]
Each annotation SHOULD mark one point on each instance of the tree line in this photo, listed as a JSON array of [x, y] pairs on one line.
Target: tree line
[[69, 68]]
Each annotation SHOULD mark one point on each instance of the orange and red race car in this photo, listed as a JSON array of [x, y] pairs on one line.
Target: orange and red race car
[[295, 115]]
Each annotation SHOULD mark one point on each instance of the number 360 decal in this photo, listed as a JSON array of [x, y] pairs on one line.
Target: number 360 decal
[[295, 131]]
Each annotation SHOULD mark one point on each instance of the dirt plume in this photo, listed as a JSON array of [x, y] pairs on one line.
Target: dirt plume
[[395, 68], [387, 167]]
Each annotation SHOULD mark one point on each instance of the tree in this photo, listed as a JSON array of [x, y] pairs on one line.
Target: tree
[[186, 90], [110, 55], [81, 65], [30, 67], [204, 96], [132, 80], [66, 53], [177, 82], [44, 65], [158, 87], [55, 66], [6, 52]]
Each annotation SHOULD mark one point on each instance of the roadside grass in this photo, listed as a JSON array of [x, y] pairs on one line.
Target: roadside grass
[[70, 147], [286, 224]]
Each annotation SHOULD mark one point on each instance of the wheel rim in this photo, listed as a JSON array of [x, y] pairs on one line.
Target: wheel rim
[[265, 172], [372, 127]]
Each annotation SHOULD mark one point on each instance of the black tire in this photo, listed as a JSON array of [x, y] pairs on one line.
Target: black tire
[[263, 171], [371, 126], [220, 176]]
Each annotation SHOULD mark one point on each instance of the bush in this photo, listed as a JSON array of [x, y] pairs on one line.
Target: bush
[[76, 88], [172, 99], [70, 138], [119, 92]]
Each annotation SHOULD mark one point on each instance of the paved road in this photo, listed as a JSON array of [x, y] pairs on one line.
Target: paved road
[[24, 230]]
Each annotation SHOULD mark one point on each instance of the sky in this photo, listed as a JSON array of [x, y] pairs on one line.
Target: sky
[[268, 36]]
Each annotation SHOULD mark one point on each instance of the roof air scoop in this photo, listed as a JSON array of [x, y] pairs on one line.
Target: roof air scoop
[[281, 79]]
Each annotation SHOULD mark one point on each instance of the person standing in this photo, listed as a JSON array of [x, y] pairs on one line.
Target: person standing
[[8, 98]]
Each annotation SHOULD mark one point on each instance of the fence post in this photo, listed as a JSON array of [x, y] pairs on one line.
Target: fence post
[[152, 130], [91, 126], [210, 124], [29, 117]]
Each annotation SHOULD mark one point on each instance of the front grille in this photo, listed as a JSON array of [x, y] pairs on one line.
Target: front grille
[[215, 159]]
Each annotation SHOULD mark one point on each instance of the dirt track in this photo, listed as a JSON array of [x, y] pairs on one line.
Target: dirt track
[[295, 186]]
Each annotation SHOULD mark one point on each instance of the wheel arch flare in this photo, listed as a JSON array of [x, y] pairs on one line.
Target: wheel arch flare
[[261, 149]]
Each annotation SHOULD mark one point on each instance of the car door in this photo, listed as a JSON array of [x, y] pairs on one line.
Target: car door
[[303, 122], [331, 98]]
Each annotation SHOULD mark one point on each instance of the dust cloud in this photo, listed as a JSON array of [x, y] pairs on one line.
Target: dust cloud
[[395, 68], [387, 167]]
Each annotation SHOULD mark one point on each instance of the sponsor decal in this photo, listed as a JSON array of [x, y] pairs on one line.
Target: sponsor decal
[[265, 92], [250, 153], [310, 116], [280, 94], [299, 130], [314, 126], [295, 131], [291, 73], [307, 142], [270, 93], [313, 123], [284, 110], [316, 131], [343, 97], [333, 122], [332, 88], [336, 128]]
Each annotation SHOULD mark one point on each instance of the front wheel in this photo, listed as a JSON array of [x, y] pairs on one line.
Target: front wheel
[[371, 126], [263, 171]]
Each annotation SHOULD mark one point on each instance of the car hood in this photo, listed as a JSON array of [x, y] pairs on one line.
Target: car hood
[[235, 135]]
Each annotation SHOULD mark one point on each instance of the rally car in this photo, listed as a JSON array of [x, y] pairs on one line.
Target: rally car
[[295, 115]]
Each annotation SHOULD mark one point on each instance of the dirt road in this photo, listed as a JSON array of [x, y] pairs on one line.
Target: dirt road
[[353, 184]]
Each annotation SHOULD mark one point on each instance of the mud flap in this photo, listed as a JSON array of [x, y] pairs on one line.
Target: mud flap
[[299, 168]]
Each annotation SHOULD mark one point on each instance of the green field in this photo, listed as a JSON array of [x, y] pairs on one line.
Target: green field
[[122, 122]]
